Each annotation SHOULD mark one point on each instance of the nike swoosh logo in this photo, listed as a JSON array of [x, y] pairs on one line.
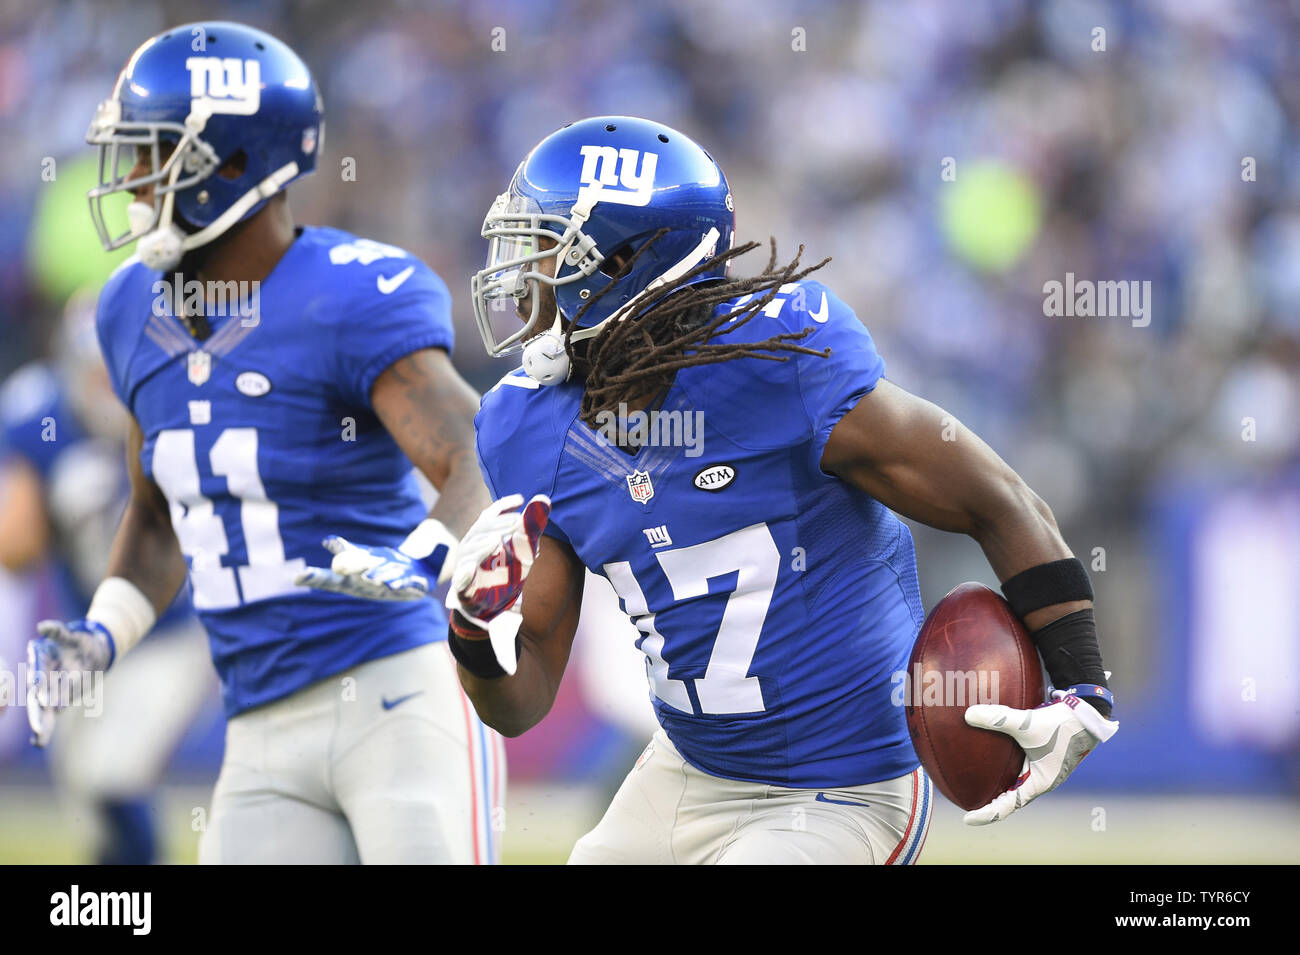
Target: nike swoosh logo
[[389, 704], [820, 315], [387, 286], [822, 797]]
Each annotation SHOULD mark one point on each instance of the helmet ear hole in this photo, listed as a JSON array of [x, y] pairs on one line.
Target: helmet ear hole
[[614, 262], [234, 167]]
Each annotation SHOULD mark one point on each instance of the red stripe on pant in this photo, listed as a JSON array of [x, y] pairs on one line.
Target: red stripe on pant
[[911, 819], [473, 777]]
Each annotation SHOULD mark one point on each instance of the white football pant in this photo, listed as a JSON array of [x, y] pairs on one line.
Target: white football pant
[[669, 812], [386, 762]]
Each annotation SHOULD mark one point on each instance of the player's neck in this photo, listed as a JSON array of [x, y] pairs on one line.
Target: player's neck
[[252, 249], [649, 402]]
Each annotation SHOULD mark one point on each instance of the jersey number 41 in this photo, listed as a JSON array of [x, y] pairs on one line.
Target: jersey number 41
[[201, 532]]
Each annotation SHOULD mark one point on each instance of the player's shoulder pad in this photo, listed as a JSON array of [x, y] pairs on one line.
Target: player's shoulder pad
[[125, 305], [520, 427], [122, 292], [30, 392], [759, 403], [796, 306], [370, 274]]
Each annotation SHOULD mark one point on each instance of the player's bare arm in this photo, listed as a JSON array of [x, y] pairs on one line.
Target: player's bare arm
[[892, 446], [514, 704], [145, 550], [429, 410], [920, 462]]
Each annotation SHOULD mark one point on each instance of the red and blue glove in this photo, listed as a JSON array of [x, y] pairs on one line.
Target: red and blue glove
[[492, 563]]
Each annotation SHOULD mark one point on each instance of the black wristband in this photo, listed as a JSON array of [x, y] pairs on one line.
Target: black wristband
[[1072, 655], [460, 625], [1057, 582], [477, 656]]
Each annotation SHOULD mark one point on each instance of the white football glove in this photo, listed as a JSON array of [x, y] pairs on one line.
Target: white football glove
[[493, 561], [1055, 737], [81, 645], [410, 571]]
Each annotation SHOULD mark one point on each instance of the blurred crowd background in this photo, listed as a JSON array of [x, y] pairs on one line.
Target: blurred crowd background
[[952, 158]]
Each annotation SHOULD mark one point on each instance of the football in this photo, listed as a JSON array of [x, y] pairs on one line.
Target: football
[[971, 649]]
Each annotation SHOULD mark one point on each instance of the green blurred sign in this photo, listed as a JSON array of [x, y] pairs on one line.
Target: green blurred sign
[[990, 214], [63, 249]]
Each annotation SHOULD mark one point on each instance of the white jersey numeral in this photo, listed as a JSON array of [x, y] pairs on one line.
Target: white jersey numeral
[[672, 692], [200, 531], [726, 686]]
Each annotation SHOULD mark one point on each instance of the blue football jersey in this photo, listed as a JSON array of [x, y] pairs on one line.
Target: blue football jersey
[[775, 602], [84, 480], [263, 438]]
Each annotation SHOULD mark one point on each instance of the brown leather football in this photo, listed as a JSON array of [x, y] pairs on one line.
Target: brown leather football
[[971, 649]]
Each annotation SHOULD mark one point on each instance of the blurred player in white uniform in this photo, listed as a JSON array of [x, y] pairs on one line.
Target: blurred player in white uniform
[[63, 487]]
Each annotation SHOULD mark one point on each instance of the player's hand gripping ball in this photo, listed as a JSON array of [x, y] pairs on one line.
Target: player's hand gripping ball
[[971, 649], [1055, 737], [993, 754]]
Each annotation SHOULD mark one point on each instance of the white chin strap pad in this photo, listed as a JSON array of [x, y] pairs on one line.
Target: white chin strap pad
[[545, 359], [161, 249]]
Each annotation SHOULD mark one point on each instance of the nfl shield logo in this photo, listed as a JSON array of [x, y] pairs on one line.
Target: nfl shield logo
[[639, 486], [200, 367]]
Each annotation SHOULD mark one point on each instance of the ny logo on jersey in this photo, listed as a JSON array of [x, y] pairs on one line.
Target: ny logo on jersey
[[605, 168], [657, 536], [640, 486], [224, 85]]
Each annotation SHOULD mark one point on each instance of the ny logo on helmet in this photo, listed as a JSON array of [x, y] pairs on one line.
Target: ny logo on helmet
[[226, 85], [605, 168]]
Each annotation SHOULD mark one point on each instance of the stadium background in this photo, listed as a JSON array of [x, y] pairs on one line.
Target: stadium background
[[1169, 156]]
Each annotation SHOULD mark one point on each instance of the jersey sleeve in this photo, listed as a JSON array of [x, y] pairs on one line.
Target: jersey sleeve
[[508, 452], [795, 400], [830, 387], [383, 326], [107, 330]]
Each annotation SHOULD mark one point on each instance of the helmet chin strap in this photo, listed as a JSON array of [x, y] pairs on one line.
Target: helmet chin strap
[[693, 258], [545, 357], [161, 248]]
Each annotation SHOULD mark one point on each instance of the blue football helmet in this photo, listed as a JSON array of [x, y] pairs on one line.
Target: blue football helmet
[[590, 192], [212, 91]]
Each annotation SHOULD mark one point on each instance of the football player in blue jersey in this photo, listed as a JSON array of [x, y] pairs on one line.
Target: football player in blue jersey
[[281, 380], [63, 485], [774, 588]]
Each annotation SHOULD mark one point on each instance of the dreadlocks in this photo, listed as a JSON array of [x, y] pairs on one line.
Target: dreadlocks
[[641, 354]]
